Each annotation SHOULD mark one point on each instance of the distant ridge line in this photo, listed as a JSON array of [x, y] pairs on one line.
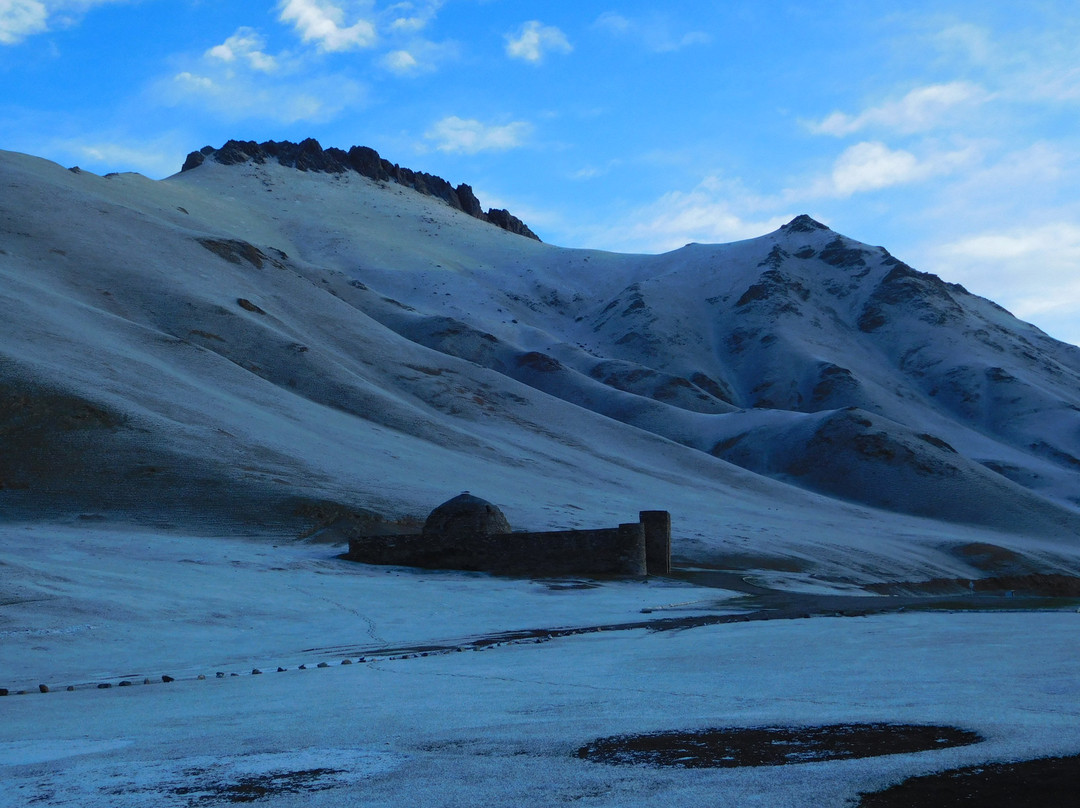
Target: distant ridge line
[[309, 155]]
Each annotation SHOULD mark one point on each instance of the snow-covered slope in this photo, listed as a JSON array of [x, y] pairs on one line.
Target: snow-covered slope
[[256, 344]]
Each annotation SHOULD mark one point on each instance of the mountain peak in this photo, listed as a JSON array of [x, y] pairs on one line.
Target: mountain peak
[[803, 224], [309, 155]]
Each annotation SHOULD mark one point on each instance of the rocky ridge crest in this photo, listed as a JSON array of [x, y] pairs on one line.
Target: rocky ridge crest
[[309, 155]]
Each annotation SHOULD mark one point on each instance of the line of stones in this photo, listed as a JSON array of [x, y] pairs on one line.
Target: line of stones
[[526, 636], [478, 645]]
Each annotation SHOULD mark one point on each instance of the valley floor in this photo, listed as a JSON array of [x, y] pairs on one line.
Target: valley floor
[[458, 700]]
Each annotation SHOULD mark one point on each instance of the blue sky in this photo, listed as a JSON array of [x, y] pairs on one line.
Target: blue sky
[[946, 131]]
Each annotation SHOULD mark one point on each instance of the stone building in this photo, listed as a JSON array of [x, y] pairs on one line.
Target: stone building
[[469, 533]]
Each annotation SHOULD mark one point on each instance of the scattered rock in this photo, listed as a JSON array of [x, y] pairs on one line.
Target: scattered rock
[[235, 251], [247, 305]]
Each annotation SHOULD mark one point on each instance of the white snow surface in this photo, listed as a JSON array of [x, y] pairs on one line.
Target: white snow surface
[[499, 725]]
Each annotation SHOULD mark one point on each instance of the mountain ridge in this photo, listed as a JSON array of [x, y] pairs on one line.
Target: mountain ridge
[[254, 343], [309, 155]]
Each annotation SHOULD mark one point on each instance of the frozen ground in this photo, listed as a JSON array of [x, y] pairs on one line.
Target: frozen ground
[[499, 725]]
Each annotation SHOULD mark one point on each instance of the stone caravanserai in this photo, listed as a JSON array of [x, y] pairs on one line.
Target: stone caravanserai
[[469, 533]]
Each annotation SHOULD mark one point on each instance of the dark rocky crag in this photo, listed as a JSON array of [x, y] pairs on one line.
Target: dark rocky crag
[[308, 155]]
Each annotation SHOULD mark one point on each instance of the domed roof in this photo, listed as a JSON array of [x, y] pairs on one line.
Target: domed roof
[[466, 515]]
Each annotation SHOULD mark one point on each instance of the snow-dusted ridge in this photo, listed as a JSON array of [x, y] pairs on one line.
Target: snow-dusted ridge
[[308, 155], [252, 344]]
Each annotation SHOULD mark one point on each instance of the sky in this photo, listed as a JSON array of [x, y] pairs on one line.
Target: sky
[[946, 131]]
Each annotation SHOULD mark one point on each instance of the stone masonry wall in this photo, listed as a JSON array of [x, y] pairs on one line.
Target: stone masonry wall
[[609, 551]]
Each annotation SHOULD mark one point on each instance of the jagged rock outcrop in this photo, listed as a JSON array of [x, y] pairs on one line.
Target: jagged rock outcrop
[[309, 155]]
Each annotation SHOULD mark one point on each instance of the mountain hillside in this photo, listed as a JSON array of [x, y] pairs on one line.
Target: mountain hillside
[[280, 334]]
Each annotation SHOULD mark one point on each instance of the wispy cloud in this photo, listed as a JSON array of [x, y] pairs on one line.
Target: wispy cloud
[[157, 157], [534, 40], [872, 165], [323, 23], [20, 19], [1004, 260], [920, 110], [410, 18], [418, 56], [240, 97], [469, 136], [716, 210], [654, 33], [246, 45], [239, 80]]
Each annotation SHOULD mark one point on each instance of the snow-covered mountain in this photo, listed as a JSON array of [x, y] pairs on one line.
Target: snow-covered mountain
[[278, 334]]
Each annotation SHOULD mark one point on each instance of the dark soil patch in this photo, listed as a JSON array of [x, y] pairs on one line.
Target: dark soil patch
[[1031, 585], [1044, 783], [250, 789], [772, 746]]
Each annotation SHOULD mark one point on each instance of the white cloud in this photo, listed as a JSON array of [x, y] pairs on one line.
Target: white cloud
[[246, 45], [322, 22], [654, 33], [534, 39], [871, 166], [920, 110], [470, 136], [20, 19], [400, 61], [238, 80]]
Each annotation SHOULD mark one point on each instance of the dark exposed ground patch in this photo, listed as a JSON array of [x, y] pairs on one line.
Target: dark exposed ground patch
[[257, 787], [1037, 585], [772, 746], [1043, 783]]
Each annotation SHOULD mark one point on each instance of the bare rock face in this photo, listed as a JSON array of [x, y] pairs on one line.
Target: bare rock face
[[309, 155]]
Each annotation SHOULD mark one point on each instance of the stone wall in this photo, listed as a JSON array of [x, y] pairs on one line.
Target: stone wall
[[608, 551]]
